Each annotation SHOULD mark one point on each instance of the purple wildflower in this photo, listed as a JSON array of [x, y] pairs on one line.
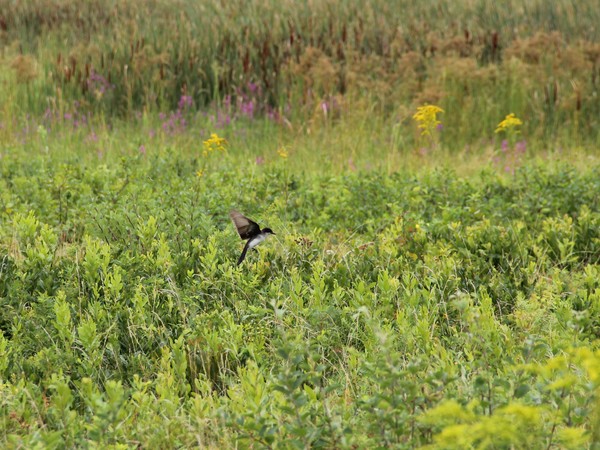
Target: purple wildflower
[[521, 147], [184, 102], [247, 109]]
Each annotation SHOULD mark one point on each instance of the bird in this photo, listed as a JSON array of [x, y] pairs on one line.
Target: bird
[[250, 230]]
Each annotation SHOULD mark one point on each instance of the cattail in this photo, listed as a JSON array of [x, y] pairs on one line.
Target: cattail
[[340, 51], [495, 44], [291, 37], [246, 62]]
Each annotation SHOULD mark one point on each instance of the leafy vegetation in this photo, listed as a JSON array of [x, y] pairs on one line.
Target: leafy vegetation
[[392, 310], [435, 278]]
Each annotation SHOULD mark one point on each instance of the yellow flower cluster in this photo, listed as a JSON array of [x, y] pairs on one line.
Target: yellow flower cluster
[[426, 118], [214, 143], [282, 152], [509, 123]]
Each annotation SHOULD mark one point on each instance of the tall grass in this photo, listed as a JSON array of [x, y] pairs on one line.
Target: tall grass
[[294, 60]]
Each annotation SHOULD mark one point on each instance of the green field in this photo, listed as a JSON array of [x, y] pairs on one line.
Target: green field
[[434, 281]]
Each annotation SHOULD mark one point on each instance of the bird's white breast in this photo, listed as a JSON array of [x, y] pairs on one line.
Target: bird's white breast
[[257, 240]]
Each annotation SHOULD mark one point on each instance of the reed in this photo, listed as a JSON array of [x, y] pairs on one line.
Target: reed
[[298, 61]]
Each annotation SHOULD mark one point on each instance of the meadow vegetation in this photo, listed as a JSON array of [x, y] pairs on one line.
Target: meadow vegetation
[[431, 172]]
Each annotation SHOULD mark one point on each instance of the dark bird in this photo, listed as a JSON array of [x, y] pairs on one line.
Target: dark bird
[[248, 229]]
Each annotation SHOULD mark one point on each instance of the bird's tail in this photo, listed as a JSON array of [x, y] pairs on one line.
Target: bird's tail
[[243, 255]]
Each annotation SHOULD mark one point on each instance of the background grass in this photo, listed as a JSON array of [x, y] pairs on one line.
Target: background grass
[[306, 63], [421, 292]]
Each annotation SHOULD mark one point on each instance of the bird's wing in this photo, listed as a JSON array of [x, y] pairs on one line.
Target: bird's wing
[[245, 227]]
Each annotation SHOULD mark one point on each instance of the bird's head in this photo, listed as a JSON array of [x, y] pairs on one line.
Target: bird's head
[[267, 231]]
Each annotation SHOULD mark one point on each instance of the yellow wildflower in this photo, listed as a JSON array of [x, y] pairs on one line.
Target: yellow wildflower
[[509, 123], [426, 117], [282, 152], [214, 143], [200, 173]]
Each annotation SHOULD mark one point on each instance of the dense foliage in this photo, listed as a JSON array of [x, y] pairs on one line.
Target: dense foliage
[[390, 311]]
